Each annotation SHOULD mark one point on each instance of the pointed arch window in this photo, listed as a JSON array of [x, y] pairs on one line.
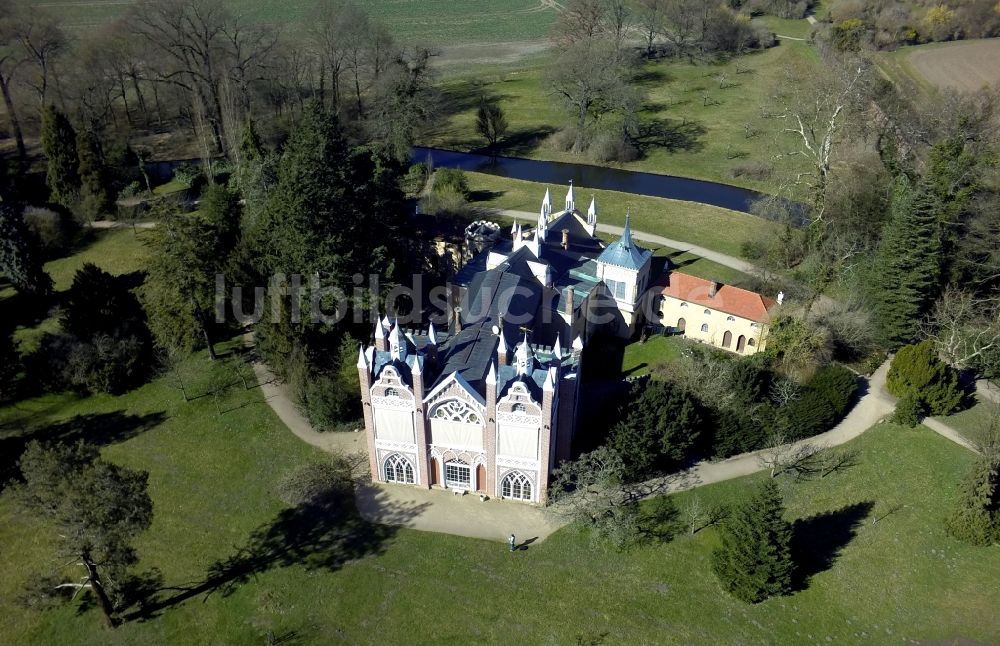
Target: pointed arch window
[[398, 469], [454, 410], [516, 485]]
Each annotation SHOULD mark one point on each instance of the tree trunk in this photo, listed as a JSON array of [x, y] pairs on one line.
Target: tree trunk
[[98, 587], [15, 124]]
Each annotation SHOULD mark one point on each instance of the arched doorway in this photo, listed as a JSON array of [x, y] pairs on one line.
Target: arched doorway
[[481, 478], [741, 343], [434, 472], [681, 325], [727, 339]]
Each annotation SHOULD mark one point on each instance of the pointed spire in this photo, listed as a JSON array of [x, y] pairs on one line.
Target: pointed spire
[[385, 322], [513, 227], [543, 225], [491, 376], [379, 328], [570, 197], [362, 359], [417, 365], [577, 343], [627, 232], [432, 334], [592, 211], [550, 380], [525, 357], [502, 344], [547, 203], [397, 341], [557, 349]]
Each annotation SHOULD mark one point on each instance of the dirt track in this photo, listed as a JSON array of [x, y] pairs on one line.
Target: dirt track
[[965, 66]]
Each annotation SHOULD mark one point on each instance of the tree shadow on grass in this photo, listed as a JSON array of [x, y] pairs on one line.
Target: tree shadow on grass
[[323, 534], [670, 134], [100, 429], [818, 540]]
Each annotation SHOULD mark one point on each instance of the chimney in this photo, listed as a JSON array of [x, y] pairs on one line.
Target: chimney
[[565, 239], [458, 320], [568, 306], [713, 290]]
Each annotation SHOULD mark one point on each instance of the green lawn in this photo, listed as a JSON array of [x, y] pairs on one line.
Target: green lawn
[[655, 353], [435, 22], [976, 422], [212, 481], [709, 226], [117, 251], [708, 114]]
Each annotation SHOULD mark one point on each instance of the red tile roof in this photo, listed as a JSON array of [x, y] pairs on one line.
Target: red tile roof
[[728, 299]]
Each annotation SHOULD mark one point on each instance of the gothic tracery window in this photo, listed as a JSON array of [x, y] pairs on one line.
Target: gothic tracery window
[[516, 485], [457, 411], [398, 469]]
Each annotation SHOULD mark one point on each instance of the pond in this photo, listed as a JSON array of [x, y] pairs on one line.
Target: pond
[[610, 179]]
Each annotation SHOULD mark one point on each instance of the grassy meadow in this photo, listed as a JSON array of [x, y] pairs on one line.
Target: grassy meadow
[[714, 115], [436, 22], [228, 563], [709, 226]]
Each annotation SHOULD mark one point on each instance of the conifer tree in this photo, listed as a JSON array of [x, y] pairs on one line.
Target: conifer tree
[[95, 195], [97, 509], [9, 362], [907, 265], [19, 258], [916, 371], [976, 516], [59, 146], [755, 559]]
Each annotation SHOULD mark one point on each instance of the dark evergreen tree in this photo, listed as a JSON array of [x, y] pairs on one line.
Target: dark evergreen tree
[[907, 265], [975, 518], [916, 370], [59, 148], [754, 561], [97, 509], [749, 381], [98, 303], [491, 122], [659, 427], [190, 250], [10, 362], [95, 185], [20, 261]]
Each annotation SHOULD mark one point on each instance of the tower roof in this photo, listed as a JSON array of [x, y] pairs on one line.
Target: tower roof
[[623, 252]]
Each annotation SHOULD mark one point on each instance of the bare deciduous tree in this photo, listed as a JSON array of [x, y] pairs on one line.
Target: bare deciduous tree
[[966, 329]]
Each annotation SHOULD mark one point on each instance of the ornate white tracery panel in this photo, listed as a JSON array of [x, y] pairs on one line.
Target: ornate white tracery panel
[[516, 463], [453, 410]]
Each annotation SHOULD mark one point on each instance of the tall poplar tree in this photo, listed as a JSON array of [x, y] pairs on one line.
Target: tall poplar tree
[[20, 261], [908, 264], [95, 194], [59, 147], [755, 559]]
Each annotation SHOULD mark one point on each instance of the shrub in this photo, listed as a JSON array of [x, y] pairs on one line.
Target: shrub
[[976, 516], [48, 227], [106, 364], [836, 384], [917, 370], [909, 411], [738, 432], [752, 170], [188, 175], [314, 483], [451, 180], [611, 146]]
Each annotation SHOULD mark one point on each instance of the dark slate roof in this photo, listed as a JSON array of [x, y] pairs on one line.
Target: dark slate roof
[[624, 253], [469, 353]]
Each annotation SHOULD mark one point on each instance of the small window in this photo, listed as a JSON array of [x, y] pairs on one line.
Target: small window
[[391, 392], [751, 342], [754, 325], [519, 408], [684, 304], [704, 327], [730, 318], [708, 312]]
